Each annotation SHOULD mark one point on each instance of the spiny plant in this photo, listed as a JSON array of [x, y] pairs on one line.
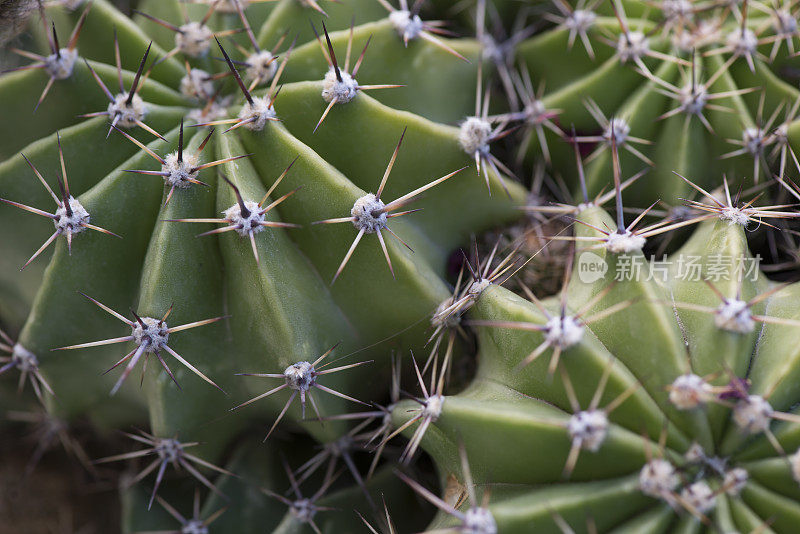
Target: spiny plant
[[647, 395], [664, 429], [162, 166], [693, 87]]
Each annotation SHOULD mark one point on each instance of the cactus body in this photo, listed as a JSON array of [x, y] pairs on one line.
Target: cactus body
[[299, 272]]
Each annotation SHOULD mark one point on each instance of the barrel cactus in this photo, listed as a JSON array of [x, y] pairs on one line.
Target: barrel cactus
[[698, 89], [297, 224]]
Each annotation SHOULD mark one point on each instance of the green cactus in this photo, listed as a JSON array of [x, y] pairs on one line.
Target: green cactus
[[694, 89], [229, 186], [607, 365]]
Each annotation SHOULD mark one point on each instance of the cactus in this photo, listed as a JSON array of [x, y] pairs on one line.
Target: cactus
[[598, 419], [283, 216], [690, 88]]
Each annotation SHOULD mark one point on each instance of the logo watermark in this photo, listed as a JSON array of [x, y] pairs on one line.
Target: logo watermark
[[591, 267], [714, 268]]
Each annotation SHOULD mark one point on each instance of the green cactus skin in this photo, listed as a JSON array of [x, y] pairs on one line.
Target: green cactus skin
[[527, 412], [570, 420], [279, 310], [680, 142]]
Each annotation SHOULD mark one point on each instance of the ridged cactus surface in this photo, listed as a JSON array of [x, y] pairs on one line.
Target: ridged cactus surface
[[260, 240], [698, 89]]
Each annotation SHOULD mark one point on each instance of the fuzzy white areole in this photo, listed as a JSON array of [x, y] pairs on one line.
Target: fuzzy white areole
[[753, 414], [409, 26], [754, 140], [71, 217], [580, 20], [742, 42], [60, 66], [474, 135], [617, 130], [699, 497], [197, 84], [250, 221], [432, 408], [588, 429], [23, 359], [735, 480], [632, 46], [194, 526], [734, 315], [563, 331], [212, 111], [673, 9], [478, 520], [624, 242], [785, 23], [369, 214], [339, 86], [255, 115], [658, 478], [194, 39], [261, 66], [303, 510], [692, 99], [689, 391], [180, 171], [127, 110], [300, 376]]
